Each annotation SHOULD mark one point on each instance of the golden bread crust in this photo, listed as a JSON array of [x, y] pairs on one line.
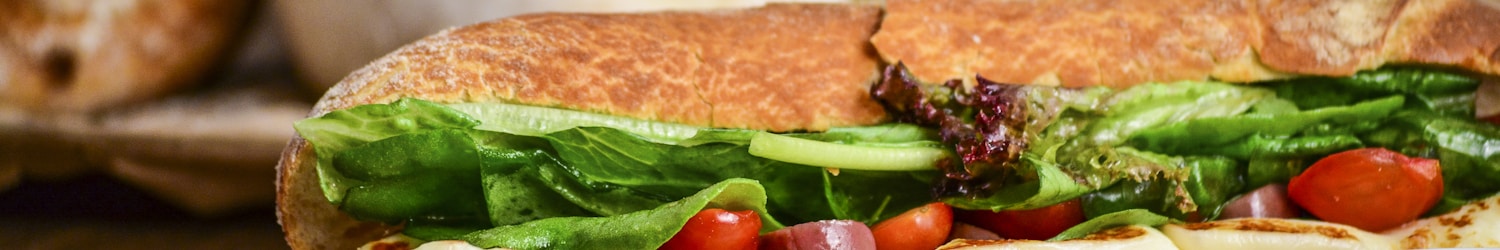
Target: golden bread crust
[[1123, 43], [780, 67], [1336, 37], [1073, 43], [1461, 33], [308, 220]]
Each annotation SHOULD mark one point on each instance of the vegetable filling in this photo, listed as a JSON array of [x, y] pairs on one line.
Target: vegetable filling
[[507, 175]]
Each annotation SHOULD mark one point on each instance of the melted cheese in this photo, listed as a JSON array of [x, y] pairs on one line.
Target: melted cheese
[[448, 245], [402, 242], [1260, 233], [1122, 238], [393, 242], [1474, 225]]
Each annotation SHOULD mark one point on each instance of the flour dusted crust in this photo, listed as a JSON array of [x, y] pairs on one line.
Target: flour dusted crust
[[780, 67], [1122, 43], [308, 220], [83, 55], [1465, 34]]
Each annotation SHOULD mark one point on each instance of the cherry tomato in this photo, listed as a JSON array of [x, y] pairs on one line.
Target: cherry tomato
[[1370, 188], [1036, 224], [924, 227], [718, 229], [1495, 119]]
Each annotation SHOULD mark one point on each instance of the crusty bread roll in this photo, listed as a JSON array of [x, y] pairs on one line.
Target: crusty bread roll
[[791, 67], [327, 45], [1122, 43], [780, 67], [80, 55]]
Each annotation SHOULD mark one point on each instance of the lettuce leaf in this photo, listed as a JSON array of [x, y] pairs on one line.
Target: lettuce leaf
[[873, 196], [447, 177], [340, 130], [1111, 220], [1051, 186], [645, 229], [529, 120], [1428, 89], [390, 173], [1211, 132]]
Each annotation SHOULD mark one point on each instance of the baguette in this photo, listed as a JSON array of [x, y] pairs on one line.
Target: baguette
[[809, 67]]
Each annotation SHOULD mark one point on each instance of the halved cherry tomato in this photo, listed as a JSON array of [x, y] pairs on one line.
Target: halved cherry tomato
[[924, 227], [1036, 224], [718, 229], [1370, 188]]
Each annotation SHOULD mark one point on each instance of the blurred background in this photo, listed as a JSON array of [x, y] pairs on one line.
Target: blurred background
[[144, 124]]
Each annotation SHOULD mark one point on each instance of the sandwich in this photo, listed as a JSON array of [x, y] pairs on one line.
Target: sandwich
[[855, 127]]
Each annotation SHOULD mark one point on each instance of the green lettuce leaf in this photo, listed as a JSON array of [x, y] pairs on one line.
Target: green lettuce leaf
[[873, 196], [1111, 220], [612, 157], [430, 175], [1151, 105], [535, 121], [339, 130], [1428, 89], [441, 181], [1051, 186], [645, 229], [1212, 132]]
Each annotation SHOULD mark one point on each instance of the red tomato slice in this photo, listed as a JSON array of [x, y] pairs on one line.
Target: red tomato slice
[[1036, 224], [718, 229], [924, 227], [1370, 188]]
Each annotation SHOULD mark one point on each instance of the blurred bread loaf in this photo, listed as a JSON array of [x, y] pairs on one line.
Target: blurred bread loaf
[[82, 55], [100, 86]]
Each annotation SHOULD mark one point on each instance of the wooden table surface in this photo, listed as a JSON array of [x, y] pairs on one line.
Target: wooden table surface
[[100, 212]]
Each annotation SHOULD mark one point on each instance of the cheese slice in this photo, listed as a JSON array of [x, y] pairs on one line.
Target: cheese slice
[[1471, 226], [1121, 238], [1265, 233], [449, 245], [393, 242]]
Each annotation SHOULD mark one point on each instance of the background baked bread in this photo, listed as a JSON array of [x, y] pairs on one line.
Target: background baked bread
[[69, 68], [166, 134], [82, 55]]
